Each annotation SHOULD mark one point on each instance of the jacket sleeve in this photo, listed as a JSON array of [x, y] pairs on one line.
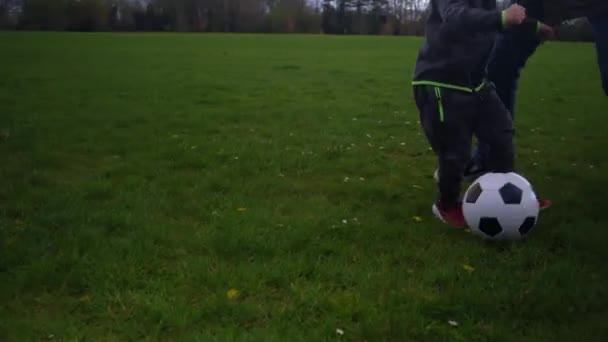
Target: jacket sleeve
[[528, 26], [457, 15]]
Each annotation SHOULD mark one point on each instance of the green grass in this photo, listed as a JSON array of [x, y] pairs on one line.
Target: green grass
[[142, 176]]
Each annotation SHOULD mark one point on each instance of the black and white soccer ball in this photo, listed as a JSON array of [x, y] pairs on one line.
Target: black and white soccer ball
[[501, 206]]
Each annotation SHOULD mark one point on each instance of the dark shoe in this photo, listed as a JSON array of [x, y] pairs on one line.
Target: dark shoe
[[473, 171]]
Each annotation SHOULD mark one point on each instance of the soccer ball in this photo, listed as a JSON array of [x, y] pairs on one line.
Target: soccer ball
[[501, 206]]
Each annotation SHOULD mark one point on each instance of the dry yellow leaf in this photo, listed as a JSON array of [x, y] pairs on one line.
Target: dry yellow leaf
[[232, 294]]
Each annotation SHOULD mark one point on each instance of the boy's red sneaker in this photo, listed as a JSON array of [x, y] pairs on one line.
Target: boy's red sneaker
[[452, 216]]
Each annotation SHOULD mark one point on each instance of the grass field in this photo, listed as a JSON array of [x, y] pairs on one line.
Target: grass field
[[278, 188]]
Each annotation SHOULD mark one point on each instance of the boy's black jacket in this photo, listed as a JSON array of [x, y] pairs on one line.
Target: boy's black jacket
[[459, 38]]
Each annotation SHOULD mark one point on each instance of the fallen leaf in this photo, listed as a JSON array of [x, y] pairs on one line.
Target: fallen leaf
[[241, 209], [232, 294], [468, 268], [453, 323], [417, 218], [339, 331]]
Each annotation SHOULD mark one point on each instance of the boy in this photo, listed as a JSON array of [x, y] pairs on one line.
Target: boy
[[453, 97]]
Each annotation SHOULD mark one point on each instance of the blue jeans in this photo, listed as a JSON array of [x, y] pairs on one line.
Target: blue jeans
[[600, 28], [509, 56]]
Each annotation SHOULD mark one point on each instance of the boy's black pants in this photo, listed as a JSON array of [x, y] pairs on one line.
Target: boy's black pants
[[450, 118]]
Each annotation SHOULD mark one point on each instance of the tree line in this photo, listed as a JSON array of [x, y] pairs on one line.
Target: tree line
[[301, 16], [395, 17]]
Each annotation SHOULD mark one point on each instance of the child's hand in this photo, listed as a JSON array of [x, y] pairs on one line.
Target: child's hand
[[514, 15]]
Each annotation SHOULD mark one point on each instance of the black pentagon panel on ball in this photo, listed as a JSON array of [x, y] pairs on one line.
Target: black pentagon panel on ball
[[525, 227], [473, 193], [511, 194], [490, 226]]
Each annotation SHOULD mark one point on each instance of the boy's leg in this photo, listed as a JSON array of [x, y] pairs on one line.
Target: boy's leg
[[495, 129], [600, 28], [446, 118], [511, 52]]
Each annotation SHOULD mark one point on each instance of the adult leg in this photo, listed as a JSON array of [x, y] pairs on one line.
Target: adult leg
[[600, 28]]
